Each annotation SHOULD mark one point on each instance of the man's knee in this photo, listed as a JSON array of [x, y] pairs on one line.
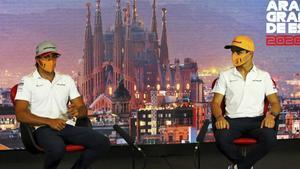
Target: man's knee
[[56, 152], [268, 137], [101, 142], [223, 137], [106, 144]]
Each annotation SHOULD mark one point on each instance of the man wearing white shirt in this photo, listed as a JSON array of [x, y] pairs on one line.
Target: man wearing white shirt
[[244, 88], [41, 101]]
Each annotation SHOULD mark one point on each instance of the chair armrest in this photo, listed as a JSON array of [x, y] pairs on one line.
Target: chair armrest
[[28, 138], [83, 122]]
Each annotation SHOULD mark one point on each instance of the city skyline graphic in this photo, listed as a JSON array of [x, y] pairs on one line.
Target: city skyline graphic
[[24, 25], [146, 65]]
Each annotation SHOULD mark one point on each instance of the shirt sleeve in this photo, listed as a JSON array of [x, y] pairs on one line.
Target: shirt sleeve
[[220, 85], [270, 86], [73, 89], [24, 90]]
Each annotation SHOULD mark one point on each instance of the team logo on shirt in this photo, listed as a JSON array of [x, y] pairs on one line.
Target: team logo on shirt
[[257, 80], [233, 80], [61, 84]]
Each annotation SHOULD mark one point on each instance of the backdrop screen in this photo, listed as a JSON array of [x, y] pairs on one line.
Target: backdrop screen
[[148, 65]]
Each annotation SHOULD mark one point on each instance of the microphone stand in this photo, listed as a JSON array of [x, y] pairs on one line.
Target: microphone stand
[[135, 149], [132, 157], [198, 155], [132, 147], [200, 139]]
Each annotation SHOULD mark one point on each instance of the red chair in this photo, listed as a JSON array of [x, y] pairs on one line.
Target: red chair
[[27, 131], [244, 142]]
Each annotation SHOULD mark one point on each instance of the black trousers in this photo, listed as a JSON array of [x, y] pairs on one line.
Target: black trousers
[[266, 139], [53, 142]]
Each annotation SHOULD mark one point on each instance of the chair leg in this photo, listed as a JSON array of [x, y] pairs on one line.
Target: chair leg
[[244, 151]]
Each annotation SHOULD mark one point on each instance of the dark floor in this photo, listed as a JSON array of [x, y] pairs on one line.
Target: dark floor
[[286, 155]]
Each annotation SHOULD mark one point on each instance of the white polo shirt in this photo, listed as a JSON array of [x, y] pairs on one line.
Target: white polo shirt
[[47, 99], [244, 98]]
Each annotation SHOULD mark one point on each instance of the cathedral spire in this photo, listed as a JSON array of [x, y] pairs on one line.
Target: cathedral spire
[[154, 30], [88, 48], [127, 40], [135, 14], [164, 52], [125, 15], [154, 22], [118, 20], [98, 51], [88, 58], [128, 12], [156, 46], [88, 15], [118, 49], [97, 6]]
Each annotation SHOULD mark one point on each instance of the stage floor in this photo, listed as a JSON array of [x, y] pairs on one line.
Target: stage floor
[[286, 155]]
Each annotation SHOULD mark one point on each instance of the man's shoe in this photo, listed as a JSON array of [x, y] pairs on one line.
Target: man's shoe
[[233, 166]]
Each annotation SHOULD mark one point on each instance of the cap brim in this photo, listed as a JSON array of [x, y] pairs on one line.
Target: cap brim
[[228, 47], [46, 53]]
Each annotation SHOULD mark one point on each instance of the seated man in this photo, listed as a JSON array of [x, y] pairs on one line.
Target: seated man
[[245, 88], [41, 101]]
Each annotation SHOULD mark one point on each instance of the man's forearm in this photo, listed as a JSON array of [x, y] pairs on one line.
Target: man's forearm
[[216, 110], [275, 109], [25, 116]]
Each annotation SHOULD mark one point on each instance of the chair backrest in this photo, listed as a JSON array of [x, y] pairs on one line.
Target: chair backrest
[[25, 129], [13, 92]]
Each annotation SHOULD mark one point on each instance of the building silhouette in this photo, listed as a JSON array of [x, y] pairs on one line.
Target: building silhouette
[[133, 52]]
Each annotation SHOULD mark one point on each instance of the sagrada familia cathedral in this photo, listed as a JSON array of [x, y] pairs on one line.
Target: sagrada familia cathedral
[[131, 56]]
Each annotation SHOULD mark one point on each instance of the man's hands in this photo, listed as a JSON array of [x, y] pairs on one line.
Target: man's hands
[[222, 123], [57, 124], [73, 111], [268, 121]]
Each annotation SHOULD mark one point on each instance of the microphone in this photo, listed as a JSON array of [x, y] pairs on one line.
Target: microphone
[[203, 131], [127, 138]]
